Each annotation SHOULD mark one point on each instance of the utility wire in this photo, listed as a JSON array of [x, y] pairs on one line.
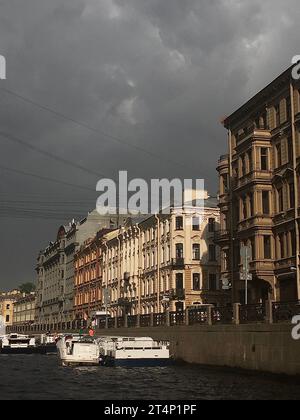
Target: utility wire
[[48, 203], [94, 130], [44, 178], [50, 155]]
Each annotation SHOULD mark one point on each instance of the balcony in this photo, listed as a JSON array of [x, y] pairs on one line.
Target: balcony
[[221, 235], [259, 221], [178, 263], [283, 266], [177, 294], [223, 162], [124, 302], [252, 134], [262, 267], [253, 176]]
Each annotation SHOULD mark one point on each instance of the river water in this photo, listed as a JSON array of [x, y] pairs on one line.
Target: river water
[[41, 377]]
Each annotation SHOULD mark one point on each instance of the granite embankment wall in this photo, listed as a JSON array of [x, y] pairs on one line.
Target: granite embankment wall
[[259, 347]]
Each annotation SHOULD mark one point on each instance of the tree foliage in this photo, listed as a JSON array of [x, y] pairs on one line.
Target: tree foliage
[[27, 288]]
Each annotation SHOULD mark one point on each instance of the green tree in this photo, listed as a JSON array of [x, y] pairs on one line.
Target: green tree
[[27, 288]]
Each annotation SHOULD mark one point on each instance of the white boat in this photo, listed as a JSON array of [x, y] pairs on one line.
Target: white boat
[[48, 344], [18, 344], [134, 351], [75, 350]]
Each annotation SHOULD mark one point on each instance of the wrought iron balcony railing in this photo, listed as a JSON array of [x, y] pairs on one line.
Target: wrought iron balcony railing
[[178, 262]]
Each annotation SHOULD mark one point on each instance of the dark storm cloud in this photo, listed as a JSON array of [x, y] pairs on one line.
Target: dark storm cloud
[[159, 74]]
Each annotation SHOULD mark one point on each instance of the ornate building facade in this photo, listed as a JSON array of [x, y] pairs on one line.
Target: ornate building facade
[[259, 193], [7, 301], [24, 310], [163, 262], [56, 270], [88, 294]]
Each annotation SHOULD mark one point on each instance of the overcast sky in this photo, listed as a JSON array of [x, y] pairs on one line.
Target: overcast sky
[[147, 82]]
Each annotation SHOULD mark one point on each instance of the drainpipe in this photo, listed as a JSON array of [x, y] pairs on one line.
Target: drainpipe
[[295, 188], [158, 263]]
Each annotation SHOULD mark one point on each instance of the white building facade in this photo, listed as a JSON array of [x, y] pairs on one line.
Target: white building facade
[[167, 261]]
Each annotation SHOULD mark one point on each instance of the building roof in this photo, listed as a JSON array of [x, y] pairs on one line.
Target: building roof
[[259, 98]]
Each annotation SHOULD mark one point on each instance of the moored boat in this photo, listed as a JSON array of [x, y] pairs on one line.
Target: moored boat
[[134, 352], [76, 350], [47, 344], [18, 344]]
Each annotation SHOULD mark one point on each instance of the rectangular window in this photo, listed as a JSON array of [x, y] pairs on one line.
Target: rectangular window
[[245, 212], [179, 223], [250, 161], [179, 281], [251, 199], [267, 248], [290, 149], [8, 307], [212, 253], [293, 243], [279, 155], [292, 195], [196, 223], [225, 259], [253, 249], [225, 183], [266, 202], [288, 108], [243, 165], [7, 318], [212, 282], [196, 282], [282, 245], [280, 203], [277, 115], [264, 165], [196, 252], [179, 251]]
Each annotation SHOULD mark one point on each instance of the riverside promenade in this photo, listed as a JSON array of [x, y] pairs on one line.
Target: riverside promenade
[[253, 337]]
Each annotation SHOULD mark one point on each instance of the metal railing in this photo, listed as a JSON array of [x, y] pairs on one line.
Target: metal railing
[[132, 321], [268, 312], [198, 316], [111, 323], [252, 313], [121, 322], [222, 315], [145, 320], [285, 311], [177, 318], [159, 320], [221, 234]]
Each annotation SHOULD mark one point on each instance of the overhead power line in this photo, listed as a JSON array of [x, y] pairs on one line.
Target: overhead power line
[[44, 178], [92, 129], [47, 203], [50, 155]]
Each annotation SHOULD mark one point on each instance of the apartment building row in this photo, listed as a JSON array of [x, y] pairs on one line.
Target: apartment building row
[[259, 193], [133, 265], [55, 268], [16, 308], [152, 264]]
